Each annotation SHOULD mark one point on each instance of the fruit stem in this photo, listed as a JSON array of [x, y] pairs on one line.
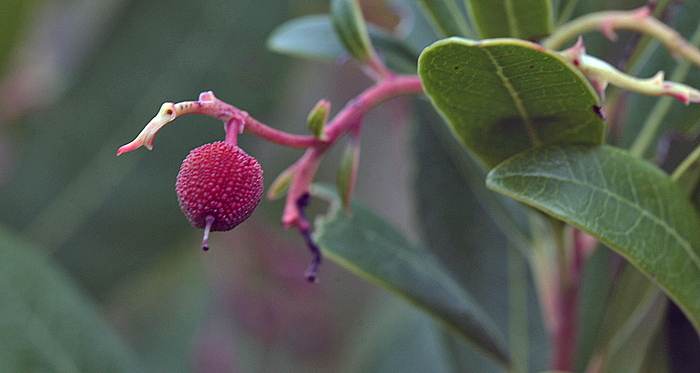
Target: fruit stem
[[233, 129], [205, 240]]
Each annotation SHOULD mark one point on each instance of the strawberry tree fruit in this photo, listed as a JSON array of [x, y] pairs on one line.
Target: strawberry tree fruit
[[218, 187]]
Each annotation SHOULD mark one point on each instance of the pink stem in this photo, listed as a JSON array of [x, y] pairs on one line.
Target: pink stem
[[349, 118], [354, 111], [390, 87], [566, 301], [277, 136], [237, 120], [305, 168], [233, 129], [565, 331]]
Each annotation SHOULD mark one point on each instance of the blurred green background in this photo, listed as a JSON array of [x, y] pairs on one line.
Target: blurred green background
[[100, 270], [104, 237]]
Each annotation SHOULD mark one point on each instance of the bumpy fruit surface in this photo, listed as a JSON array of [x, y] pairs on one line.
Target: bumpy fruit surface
[[219, 181]]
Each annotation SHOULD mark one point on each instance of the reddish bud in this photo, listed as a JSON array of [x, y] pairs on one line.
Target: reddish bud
[[218, 187]]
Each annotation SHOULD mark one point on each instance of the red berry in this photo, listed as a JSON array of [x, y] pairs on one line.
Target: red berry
[[218, 186]]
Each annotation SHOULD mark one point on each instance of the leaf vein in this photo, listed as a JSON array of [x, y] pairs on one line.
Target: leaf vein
[[634, 205], [534, 138]]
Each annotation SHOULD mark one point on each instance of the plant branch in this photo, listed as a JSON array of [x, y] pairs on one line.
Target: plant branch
[[300, 175], [638, 20], [391, 87], [236, 121], [348, 119], [654, 120], [600, 73]]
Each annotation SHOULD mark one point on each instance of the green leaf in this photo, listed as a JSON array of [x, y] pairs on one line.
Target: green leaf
[[47, 323], [445, 171], [308, 36], [447, 18], [522, 19], [314, 37], [518, 323], [351, 28], [370, 247], [504, 96], [625, 202]]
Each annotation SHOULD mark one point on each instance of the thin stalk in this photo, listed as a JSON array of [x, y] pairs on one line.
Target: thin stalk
[[566, 13], [687, 165], [565, 327]]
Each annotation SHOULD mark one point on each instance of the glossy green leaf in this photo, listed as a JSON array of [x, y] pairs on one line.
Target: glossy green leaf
[[625, 202], [372, 248], [309, 36], [522, 19], [48, 325], [314, 37], [504, 96], [351, 28], [446, 17]]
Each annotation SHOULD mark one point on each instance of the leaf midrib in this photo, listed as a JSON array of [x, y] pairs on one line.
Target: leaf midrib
[[522, 111]]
